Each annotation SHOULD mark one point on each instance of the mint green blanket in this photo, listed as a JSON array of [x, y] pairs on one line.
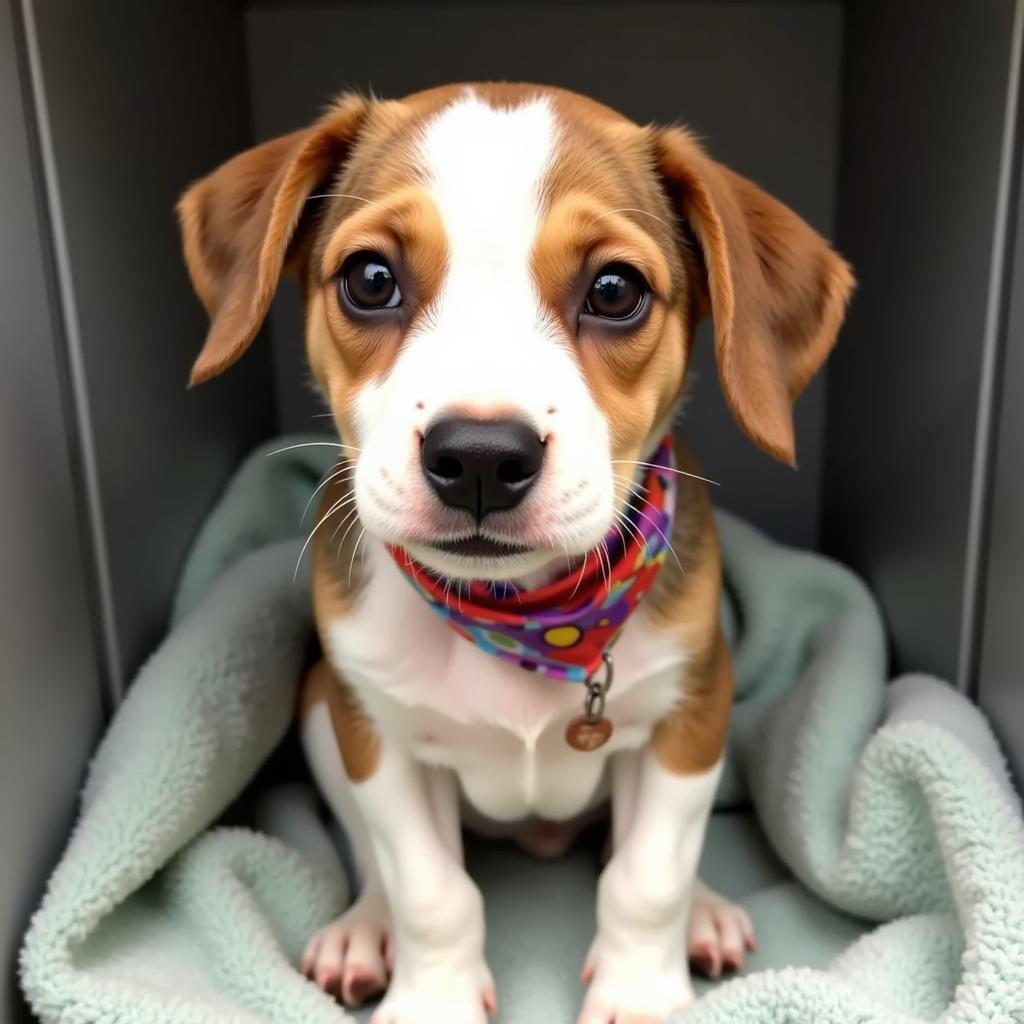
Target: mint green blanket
[[869, 829]]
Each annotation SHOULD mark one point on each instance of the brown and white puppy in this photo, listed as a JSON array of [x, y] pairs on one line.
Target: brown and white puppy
[[448, 246]]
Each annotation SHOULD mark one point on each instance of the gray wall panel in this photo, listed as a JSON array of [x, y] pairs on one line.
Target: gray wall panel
[[49, 688], [759, 81], [141, 99], [1001, 670], [924, 99]]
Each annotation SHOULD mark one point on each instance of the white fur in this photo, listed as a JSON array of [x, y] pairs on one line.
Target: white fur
[[436, 913], [639, 957], [487, 348]]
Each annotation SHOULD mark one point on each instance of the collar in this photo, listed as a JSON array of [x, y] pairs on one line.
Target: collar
[[565, 628]]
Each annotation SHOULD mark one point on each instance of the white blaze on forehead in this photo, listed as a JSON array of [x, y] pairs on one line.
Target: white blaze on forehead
[[486, 346], [485, 168]]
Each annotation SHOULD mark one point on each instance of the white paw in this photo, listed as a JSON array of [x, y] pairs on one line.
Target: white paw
[[719, 934], [636, 997], [633, 987], [350, 958], [442, 995]]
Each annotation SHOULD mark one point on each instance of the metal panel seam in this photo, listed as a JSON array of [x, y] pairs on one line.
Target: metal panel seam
[[993, 344], [71, 359]]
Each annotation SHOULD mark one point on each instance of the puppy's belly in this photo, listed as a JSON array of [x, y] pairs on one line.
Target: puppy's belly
[[513, 781]]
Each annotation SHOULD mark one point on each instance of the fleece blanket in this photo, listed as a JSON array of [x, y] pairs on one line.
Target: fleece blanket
[[869, 828]]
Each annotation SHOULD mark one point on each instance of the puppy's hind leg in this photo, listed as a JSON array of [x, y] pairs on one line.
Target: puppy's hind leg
[[350, 957]]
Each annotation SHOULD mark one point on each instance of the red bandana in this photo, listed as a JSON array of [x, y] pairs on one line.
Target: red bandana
[[564, 628]]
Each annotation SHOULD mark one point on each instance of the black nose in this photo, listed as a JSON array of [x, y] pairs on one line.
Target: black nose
[[481, 465]]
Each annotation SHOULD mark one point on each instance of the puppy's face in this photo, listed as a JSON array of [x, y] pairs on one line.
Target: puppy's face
[[500, 326], [502, 284]]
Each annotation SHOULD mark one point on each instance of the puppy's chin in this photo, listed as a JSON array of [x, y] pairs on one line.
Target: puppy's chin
[[516, 565]]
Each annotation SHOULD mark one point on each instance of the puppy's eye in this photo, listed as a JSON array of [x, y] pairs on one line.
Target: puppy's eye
[[366, 282], [618, 293]]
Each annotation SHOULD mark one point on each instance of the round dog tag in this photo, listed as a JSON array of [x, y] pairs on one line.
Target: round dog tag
[[585, 735]]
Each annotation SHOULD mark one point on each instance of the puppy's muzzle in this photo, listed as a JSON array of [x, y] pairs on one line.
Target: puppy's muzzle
[[481, 465]]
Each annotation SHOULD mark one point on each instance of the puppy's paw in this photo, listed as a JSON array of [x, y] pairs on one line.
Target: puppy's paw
[[633, 988], [442, 995], [350, 958], [720, 933]]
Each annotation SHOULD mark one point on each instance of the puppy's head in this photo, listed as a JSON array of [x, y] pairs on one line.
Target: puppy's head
[[501, 289]]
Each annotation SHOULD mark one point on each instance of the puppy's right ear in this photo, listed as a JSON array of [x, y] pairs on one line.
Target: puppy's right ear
[[776, 290], [238, 225]]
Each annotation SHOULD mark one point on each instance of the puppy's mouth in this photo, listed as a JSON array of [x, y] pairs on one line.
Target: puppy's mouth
[[479, 546]]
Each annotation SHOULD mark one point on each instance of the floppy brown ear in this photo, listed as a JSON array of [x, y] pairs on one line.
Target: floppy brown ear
[[776, 291], [237, 225]]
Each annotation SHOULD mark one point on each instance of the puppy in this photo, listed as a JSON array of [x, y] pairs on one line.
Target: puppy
[[516, 576]]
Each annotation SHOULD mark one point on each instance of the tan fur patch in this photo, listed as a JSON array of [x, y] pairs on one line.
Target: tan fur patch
[[691, 739], [338, 575], [355, 733], [344, 352], [685, 601]]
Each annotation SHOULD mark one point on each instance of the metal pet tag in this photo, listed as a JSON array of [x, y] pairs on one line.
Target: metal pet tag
[[592, 730]]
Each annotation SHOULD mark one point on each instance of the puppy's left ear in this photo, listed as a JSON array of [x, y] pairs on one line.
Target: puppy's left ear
[[774, 288], [240, 227]]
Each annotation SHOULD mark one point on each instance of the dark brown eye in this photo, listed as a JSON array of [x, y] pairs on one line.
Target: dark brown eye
[[618, 293], [367, 282]]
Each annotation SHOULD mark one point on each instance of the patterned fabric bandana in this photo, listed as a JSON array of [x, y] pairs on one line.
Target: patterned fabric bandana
[[564, 628]]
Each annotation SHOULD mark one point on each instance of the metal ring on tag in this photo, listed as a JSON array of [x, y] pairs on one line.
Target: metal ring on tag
[[594, 703], [592, 730], [593, 706]]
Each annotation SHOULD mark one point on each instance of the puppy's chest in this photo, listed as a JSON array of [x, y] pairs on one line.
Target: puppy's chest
[[500, 727]]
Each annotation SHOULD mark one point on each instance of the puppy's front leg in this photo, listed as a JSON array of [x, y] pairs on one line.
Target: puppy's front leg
[[638, 963], [436, 911], [403, 821], [662, 797]]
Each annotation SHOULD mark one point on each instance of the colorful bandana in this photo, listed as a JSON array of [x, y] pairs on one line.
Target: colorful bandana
[[564, 628]]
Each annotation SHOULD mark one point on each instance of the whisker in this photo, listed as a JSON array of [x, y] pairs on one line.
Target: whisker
[[622, 537], [353, 511], [618, 529], [631, 485], [600, 563], [608, 565], [327, 515], [343, 195], [568, 558], [341, 469], [632, 490], [344, 536], [667, 469], [633, 209], [352, 560], [315, 444], [583, 569], [634, 531], [661, 533]]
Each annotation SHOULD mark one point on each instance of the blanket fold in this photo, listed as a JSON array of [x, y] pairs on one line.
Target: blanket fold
[[884, 803]]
